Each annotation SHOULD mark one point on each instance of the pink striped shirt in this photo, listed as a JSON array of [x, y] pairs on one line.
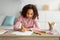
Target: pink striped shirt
[[29, 23]]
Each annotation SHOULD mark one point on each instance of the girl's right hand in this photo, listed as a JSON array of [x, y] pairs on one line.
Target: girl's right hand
[[23, 29]]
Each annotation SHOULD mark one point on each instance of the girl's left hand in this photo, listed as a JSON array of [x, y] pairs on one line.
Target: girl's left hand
[[35, 29]]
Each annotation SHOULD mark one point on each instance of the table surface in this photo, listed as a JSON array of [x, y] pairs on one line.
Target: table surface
[[8, 33]]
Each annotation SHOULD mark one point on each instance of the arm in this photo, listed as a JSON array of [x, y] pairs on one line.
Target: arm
[[16, 26], [37, 24]]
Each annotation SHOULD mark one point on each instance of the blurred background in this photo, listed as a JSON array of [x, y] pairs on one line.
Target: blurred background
[[49, 10]]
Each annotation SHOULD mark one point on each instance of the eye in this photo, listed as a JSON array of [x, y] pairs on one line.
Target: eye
[[31, 14]]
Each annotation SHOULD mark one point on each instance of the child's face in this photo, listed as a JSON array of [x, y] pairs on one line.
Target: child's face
[[30, 13]]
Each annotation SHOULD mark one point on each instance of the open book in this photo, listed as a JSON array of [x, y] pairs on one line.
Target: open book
[[22, 33], [2, 31]]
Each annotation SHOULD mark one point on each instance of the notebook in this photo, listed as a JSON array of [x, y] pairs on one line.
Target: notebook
[[22, 33]]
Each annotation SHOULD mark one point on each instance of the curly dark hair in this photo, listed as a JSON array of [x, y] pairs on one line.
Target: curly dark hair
[[29, 6]]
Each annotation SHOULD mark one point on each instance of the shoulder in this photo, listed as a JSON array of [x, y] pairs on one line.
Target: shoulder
[[20, 17], [35, 20]]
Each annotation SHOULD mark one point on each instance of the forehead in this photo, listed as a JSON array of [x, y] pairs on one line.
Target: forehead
[[30, 10]]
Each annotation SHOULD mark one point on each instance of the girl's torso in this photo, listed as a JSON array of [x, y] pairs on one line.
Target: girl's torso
[[29, 23]]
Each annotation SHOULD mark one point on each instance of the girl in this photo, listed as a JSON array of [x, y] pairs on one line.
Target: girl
[[28, 18]]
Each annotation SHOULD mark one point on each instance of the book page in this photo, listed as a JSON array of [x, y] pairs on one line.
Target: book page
[[22, 33]]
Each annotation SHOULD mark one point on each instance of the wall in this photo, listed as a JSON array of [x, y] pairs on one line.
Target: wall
[[12, 7], [9, 7]]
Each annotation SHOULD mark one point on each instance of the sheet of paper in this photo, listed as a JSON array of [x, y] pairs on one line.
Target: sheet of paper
[[22, 33], [3, 31]]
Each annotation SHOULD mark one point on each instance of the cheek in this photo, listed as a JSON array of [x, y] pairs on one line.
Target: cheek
[[26, 14], [31, 15]]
